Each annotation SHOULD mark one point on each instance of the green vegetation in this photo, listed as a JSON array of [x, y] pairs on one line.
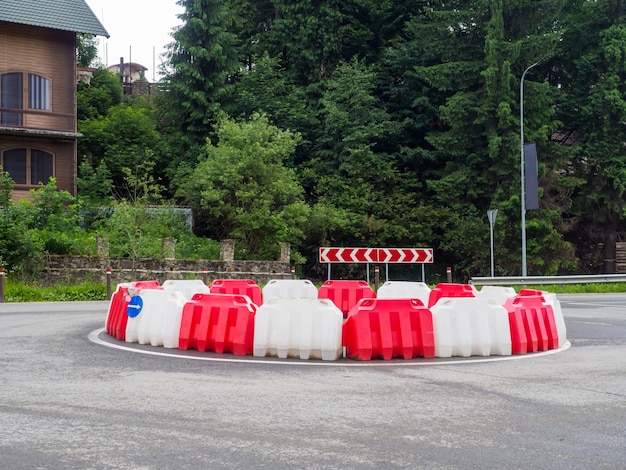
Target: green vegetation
[[23, 292], [593, 288], [386, 123]]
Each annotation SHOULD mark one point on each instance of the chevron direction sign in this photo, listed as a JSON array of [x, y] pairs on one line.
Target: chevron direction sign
[[348, 255], [375, 255], [405, 255]]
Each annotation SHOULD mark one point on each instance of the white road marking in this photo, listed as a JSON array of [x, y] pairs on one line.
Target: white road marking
[[94, 337]]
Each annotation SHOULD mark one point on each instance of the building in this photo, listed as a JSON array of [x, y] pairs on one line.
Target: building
[[132, 71], [38, 74], [133, 78]]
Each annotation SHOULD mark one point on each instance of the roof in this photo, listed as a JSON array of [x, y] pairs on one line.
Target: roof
[[66, 15], [134, 67]]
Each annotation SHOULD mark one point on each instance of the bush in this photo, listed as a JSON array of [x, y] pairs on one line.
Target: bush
[[189, 246], [20, 251]]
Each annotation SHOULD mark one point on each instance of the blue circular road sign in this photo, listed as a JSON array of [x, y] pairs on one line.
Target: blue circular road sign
[[134, 306]]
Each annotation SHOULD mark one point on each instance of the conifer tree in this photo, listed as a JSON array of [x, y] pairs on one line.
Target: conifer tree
[[592, 74], [202, 60]]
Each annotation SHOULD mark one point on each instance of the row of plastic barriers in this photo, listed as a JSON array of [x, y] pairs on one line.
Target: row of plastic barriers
[[293, 318]]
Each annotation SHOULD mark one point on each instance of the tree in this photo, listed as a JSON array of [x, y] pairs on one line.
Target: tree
[[470, 55], [201, 61], [125, 138], [265, 88], [242, 190], [346, 171], [86, 50], [318, 27], [592, 73], [96, 98], [94, 185]]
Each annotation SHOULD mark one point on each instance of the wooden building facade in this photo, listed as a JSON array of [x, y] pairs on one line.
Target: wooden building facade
[[38, 138]]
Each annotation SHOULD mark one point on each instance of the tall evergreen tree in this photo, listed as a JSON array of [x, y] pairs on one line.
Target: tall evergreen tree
[[593, 76], [306, 35], [471, 53], [203, 58]]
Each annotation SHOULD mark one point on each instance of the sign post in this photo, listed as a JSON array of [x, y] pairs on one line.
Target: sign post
[[491, 215], [376, 278]]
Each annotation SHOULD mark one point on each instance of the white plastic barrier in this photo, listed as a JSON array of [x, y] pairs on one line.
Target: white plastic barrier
[[499, 293], [470, 327], [290, 288], [404, 290], [187, 287], [158, 323], [302, 328]]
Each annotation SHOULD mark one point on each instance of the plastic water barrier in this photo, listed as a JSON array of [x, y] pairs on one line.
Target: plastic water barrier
[[470, 326], [404, 290], [218, 322], [187, 287], [158, 322], [117, 315], [551, 300], [297, 321], [300, 328], [499, 293], [289, 288], [451, 291], [345, 294], [238, 286], [389, 328], [532, 323]]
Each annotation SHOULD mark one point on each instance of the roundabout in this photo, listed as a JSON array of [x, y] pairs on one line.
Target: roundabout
[[69, 402]]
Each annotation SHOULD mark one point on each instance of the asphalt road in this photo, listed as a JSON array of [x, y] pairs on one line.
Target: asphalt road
[[69, 403]]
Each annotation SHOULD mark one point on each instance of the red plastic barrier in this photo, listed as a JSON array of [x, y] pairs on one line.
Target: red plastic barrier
[[238, 286], [218, 322], [532, 324], [530, 292], [345, 294], [389, 328], [450, 290], [117, 317]]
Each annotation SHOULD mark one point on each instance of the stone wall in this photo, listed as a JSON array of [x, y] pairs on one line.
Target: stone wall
[[75, 269]]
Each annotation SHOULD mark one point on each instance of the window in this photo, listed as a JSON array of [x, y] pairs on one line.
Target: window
[[28, 166], [13, 94], [14, 163], [40, 166], [38, 92]]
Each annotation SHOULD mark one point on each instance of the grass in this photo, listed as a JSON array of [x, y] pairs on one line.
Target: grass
[[89, 291], [591, 288], [21, 292]]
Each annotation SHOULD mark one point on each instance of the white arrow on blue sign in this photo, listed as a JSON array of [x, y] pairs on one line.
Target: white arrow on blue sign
[[134, 306]]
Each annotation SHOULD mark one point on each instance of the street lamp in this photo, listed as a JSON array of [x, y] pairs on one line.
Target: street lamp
[[523, 182]]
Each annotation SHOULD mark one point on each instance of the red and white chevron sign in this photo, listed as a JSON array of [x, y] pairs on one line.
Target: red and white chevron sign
[[405, 255], [348, 255], [376, 255]]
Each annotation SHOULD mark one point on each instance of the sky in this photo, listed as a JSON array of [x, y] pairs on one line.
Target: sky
[[139, 31]]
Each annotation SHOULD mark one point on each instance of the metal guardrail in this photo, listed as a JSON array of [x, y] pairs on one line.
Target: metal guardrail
[[552, 280]]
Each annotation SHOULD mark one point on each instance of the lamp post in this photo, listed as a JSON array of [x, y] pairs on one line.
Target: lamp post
[[523, 182]]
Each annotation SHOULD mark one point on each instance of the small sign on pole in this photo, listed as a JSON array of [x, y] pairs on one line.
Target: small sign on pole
[[491, 215]]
